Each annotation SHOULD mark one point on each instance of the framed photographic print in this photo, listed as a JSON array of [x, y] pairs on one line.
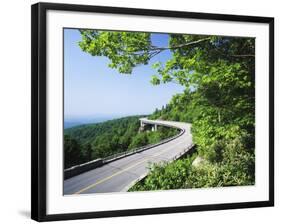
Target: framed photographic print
[[139, 111]]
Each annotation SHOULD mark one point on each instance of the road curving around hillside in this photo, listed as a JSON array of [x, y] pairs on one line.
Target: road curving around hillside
[[116, 176]]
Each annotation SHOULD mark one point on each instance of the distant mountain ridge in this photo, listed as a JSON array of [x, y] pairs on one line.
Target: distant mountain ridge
[[73, 122]]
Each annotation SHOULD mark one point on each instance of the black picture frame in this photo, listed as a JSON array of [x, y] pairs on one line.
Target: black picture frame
[[39, 122]]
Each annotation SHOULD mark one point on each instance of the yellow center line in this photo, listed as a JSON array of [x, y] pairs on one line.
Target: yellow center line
[[122, 171], [109, 177]]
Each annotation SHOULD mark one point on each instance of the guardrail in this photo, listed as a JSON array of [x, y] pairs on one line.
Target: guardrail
[[143, 148], [188, 150], [76, 170]]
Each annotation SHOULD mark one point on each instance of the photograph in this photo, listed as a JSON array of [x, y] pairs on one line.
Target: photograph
[[146, 111], [152, 111]]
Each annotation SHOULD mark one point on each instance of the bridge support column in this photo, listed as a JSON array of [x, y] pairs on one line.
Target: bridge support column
[[154, 127], [147, 126], [142, 125]]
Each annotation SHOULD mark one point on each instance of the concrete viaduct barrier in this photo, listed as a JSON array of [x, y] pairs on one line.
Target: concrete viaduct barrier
[[78, 169]]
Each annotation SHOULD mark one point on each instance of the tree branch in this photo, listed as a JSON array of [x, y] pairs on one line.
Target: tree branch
[[181, 45]]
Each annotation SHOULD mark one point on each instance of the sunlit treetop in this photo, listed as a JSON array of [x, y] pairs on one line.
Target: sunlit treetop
[[193, 56]]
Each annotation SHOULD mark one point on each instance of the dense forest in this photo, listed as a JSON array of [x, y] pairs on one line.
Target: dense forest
[[218, 73], [88, 142]]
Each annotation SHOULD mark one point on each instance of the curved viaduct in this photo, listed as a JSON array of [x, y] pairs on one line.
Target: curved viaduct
[[119, 175]]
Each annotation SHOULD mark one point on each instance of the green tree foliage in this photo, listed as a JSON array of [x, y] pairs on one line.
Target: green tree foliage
[[92, 141], [234, 168], [124, 49], [166, 176], [71, 151], [219, 100], [152, 137]]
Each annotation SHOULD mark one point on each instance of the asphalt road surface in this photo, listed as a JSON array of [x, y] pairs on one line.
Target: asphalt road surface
[[119, 175]]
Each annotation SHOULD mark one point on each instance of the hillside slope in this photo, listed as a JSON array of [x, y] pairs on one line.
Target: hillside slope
[[92, 141], [225, 146]]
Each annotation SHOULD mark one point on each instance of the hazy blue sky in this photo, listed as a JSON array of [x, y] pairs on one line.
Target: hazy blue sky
[[91, 89]]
